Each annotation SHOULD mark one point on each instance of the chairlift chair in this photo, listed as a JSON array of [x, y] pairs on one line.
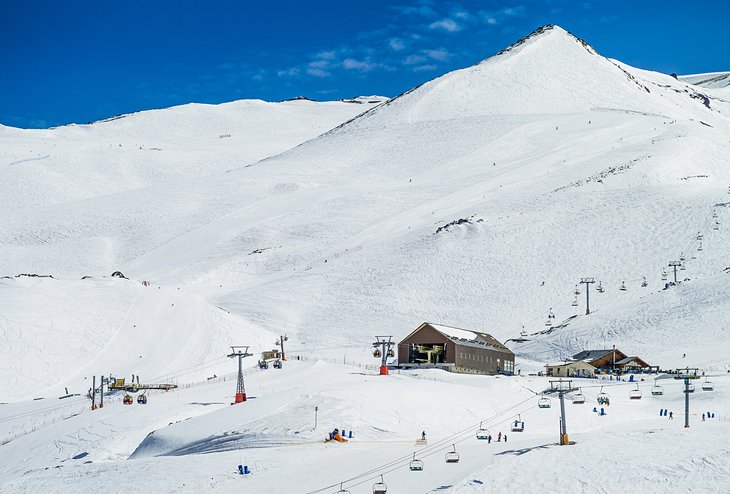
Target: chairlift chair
[[380, 487], [622, 287], [600, 287], [690, 388], [681, 257], [416, 465], [263, 364], [579, 398], [714, 214], [277, 364], [707, 385], [635, 394], [342, 490], [700, 236], [716, 226], [390, 353], [575, 302], [127, 400], [699, 248], [543, 402], [518, 425], [482, 433], [452, 456], [644, 284], [142, 399], [377, 353], [657, 390], [602, 398], [682, 267], [664, 276], [577, 291]]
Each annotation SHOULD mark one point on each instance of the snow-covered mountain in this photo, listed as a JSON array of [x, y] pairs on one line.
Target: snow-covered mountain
[[478, 200], [712, 80]]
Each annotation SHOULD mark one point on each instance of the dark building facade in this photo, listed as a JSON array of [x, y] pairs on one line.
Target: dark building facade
[[454, 349]]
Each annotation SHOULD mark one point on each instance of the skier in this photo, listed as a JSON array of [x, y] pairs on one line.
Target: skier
[[489, 439], [505, 438], [423, 435], [671, 415], [499, 437], [703, 417]]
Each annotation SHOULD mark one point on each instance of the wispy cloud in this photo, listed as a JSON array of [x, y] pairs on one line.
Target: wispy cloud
[[448, 25], [396, 44]]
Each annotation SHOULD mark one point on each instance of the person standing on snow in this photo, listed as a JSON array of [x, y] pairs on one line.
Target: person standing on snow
[[499, 437]]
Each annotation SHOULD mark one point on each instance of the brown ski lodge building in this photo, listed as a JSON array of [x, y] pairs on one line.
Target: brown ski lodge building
[[456, 350]]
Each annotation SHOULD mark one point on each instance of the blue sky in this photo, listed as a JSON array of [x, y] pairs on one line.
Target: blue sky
[[78, 61]]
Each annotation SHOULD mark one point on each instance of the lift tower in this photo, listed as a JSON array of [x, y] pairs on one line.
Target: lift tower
[[562, 387], [241, 352], [383, 349], [687, 374]]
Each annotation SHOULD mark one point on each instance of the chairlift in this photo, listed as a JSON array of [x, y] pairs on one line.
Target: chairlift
[[700, 236], [699, 247], [714, 214], [579, 398], [127, 400], [644, 284], [716, 226], [452, 456], [682, 267], [380, 487], [681, 257], [635, 394], [574, 303], [600, 288], [416, 465], [690, 388], [142, 399], [263, 364], [342, 490], [664, 275], [518, 425], [602, 398], [543, 402], [377, 353], [657, 390], [623, 286], [390, 353], [707, 385], [577, 291], [277, 364], [482, 433]]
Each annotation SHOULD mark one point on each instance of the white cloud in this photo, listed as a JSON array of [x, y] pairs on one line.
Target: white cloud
[[359, 65], [326, 55], [440, 54], [314, 71], [397, 44], [292, 72], [414, 59], [448, 25], [424, 68]]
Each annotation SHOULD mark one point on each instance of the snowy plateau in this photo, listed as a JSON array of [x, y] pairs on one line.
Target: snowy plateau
[[477, 200]]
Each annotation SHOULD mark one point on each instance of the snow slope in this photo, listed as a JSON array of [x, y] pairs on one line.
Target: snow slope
[[156, 147], [709, 80], [477, 200]]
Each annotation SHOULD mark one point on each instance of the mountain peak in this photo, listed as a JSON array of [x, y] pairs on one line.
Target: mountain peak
[[542, 35]]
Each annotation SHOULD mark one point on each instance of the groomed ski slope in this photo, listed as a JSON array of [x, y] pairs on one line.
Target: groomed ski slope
[[273, 434], [477, 200]]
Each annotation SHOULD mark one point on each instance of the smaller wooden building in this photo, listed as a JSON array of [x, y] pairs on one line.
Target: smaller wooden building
[[572, 368], [456, 350]]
